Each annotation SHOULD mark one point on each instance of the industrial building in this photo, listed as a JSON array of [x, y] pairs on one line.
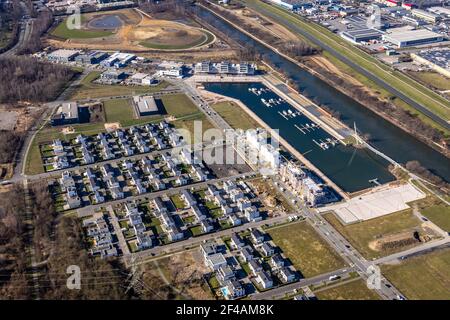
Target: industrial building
[[67, 113], [425, 15], [438, 59], [113, 76], [63, 55], [289, 4], [357, 36], [409, 38], [145, 105], [118, 60], [94, 57]]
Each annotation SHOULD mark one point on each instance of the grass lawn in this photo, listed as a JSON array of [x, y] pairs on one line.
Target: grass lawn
[[178, 201], [87, 89], [353, 290], [185, 112], [362, 233], [315, 32], [309, 254], [62, 31], [118, 110], [206, 38], [425, 277], [434, 79], [196, 231], [436, 211], [179, 105], [234, 115]]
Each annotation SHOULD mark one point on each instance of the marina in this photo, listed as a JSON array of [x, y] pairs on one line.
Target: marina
[[349, 168]]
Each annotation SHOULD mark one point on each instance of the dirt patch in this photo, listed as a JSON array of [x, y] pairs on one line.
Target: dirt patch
[[399, 240], [138, 32], [184, 272], [112, 126]]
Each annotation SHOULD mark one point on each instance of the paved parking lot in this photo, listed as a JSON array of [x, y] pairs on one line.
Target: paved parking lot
[[376, 204]]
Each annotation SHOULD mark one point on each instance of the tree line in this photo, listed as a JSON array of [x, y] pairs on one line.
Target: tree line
[[26, 79], [292, 48]]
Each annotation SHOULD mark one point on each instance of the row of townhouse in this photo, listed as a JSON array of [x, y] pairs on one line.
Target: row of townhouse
[[240, 201], [60, 160], [92, 182], [71, 196], [143, 239], [167, 222], [214, 258], [98, 229], [88, 158]]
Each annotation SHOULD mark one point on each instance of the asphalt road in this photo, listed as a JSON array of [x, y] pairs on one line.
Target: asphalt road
[[293, 27], [280, 292]]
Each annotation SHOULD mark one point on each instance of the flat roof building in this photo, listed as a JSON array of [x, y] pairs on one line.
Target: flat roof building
[[67, 113], [145, 105], [360, 35], [425, 15], [62, 55], [412, 37]]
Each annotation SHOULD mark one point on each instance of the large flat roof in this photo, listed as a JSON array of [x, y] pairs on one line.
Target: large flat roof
[[145, 104], [63, 53], [412, 35]]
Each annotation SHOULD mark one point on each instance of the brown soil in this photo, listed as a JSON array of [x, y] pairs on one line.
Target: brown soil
[[137, 28]]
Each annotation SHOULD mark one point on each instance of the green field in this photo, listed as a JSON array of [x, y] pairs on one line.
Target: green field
[[204, 40], [426, 277], [352, 290], [87, 89], [62, 31], [185, 112], [434, 79], [309, 253], [362, 233], [118, 110], [435, 210], [400, 81], [234, 115]]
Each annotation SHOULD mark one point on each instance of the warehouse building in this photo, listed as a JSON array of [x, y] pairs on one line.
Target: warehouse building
[[63, 55], [409, 38], [438, 60], [67, 113], [357, 36], [94, 57], [425, 15], [145, 105], [289, 4]]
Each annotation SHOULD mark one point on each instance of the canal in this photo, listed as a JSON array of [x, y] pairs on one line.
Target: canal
[[384, 136]]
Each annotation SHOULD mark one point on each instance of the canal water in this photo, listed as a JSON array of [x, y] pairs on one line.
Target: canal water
[[384, 136], [351, 169]]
